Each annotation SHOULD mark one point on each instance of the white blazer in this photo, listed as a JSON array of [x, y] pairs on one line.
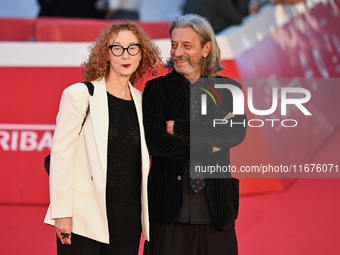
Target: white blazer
[[79, 162]]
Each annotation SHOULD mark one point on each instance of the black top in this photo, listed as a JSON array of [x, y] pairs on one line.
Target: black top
[[124, 152], [195, 209], [168, 98]]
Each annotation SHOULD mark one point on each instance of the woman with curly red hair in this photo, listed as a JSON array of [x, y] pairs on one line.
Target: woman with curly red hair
[[99, 159]]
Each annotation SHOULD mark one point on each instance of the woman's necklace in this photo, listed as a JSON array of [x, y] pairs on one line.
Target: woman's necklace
[[125, 95]]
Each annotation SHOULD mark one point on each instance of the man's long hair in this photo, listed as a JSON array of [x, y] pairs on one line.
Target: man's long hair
[[211, 66]]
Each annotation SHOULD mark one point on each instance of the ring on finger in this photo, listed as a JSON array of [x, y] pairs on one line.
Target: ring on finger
[[65, 235]]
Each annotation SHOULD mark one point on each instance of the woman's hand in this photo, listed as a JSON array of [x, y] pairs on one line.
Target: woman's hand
[[63, 226]]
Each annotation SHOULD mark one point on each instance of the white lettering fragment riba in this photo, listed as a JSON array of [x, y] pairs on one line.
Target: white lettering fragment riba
[[24, 140]]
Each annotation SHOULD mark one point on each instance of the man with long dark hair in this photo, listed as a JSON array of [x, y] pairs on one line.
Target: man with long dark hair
[[188, 215]]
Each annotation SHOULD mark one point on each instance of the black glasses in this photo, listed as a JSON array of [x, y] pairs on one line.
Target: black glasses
[[118, 50]]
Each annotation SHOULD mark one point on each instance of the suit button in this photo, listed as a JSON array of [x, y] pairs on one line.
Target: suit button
[[179, 177]]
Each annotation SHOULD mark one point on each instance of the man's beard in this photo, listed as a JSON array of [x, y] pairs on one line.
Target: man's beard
[[191, 69]]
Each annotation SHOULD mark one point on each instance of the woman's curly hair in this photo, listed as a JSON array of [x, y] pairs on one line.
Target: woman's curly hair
[[97, 66]]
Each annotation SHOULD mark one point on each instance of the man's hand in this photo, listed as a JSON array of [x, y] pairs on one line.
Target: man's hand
[[216, 149], [170, 126], [63, 227], [228, 116]]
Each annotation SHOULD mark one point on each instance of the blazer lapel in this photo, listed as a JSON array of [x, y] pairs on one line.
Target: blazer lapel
[[100, 119], [137, 99]]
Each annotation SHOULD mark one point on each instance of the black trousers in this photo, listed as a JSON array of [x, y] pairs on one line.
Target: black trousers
[[125, 231], [190, 239]]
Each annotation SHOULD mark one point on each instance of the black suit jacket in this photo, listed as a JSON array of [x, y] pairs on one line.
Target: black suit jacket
[[168, 98]]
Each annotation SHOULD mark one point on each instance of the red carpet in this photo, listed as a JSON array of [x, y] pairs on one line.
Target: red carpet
[[304, 219]]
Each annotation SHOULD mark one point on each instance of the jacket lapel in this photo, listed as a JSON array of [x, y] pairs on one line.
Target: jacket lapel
[[137, 99], [100, 119]]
